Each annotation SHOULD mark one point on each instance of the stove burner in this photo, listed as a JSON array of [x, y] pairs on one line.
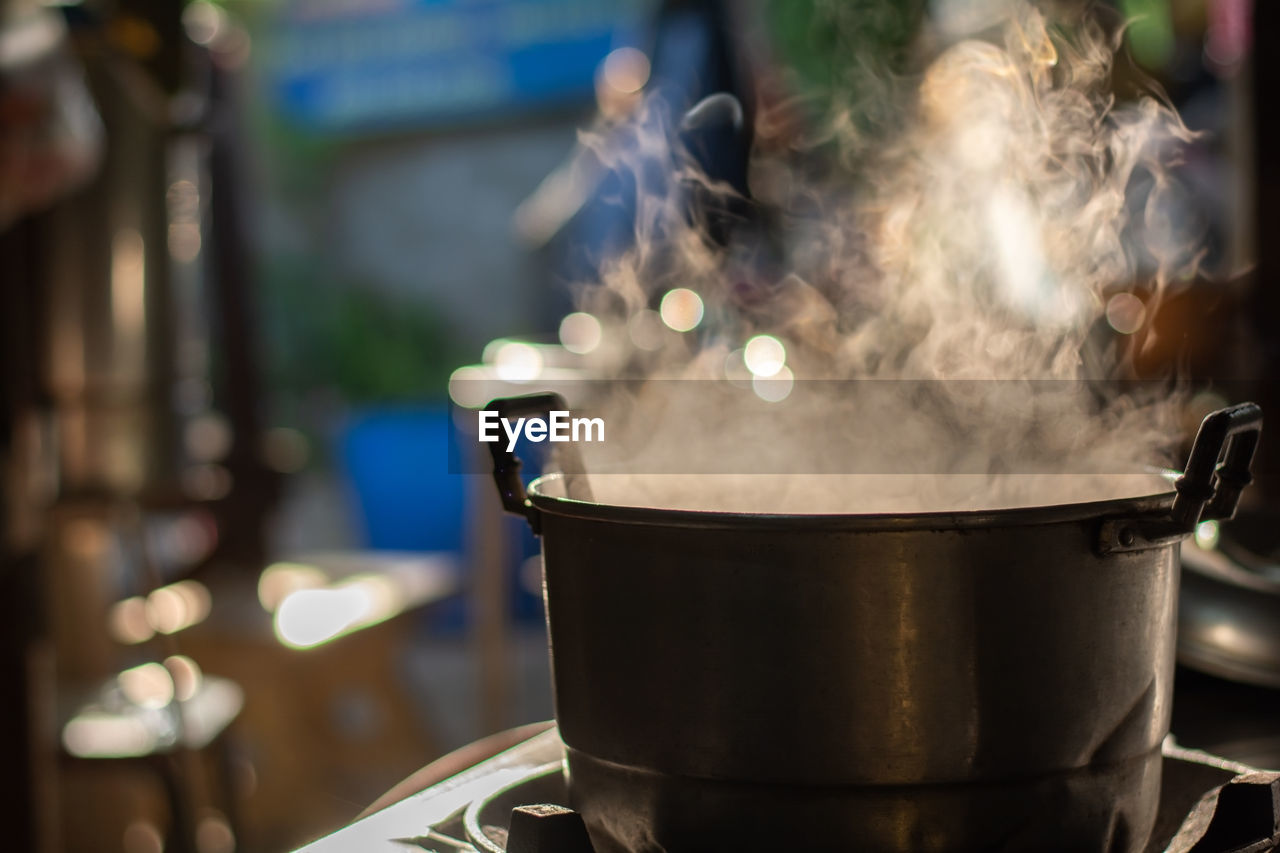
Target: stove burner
[[517, 802], [1245, 818], [504, 821]]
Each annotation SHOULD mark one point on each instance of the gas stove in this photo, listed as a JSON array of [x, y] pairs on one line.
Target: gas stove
[[517, 802]]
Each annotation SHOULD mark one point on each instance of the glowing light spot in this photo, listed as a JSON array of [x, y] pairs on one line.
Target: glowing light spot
[[580, 333], [310, 617], [1126, 313], [517, 362], [279, 580], [147, 686], [102, 735], [681, 309], [167, 610], [775, 387], [1227, 635], [646, 330], [626, 70], [203, 21], [1207, 535], [178, 606], [186, 676], [764, 355], [469, 387], [127, 621]]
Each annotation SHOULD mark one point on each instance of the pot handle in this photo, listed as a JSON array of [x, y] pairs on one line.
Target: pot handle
[[1207, 490], [506, 465]]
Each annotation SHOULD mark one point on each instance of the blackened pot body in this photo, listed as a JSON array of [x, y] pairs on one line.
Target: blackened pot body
[[991, 681]]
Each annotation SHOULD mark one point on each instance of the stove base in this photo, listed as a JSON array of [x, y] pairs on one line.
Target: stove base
[[1206, 804], [1109, 809]]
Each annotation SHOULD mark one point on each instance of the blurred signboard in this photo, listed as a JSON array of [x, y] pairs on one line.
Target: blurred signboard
[[344, 65]]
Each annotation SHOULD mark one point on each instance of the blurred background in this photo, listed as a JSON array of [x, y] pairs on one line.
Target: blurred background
[[244, 245]]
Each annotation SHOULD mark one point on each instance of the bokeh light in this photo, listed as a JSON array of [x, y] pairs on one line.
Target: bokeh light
[[127, 621], [310, 617], [177, 606], [681, 309], [186, 676], [468, 388], [279, 580], [626, 70], [764, 355], [1207, 535], [1126, 313], [774, 388], [147, 686], [580, 333], [517, 362]]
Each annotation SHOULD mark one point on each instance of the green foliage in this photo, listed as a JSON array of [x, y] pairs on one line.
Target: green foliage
[[326, 334], [841, 46], [847, 60]]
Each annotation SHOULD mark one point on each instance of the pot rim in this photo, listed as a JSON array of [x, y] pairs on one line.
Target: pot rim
[[1155, 504]]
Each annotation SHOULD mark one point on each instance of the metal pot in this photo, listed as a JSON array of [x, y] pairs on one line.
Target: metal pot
[[995, 680]]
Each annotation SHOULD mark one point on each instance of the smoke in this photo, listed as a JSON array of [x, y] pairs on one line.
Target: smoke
[[968, 253]]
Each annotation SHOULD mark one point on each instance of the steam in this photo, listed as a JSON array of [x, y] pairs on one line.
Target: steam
[[982, 238]]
